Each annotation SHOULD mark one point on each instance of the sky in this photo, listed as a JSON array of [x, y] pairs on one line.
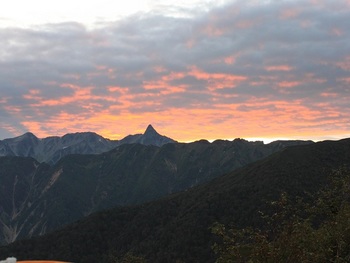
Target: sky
[[277, 69]]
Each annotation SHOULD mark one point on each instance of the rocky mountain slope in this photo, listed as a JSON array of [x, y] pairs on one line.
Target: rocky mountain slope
[[177, 228], [149, 137], [52, 149], [37, 198]]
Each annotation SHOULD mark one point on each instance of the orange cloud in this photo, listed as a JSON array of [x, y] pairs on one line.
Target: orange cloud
[[229, 60], [13, 110], [345, 64], [329, 95], [163, 84], [288, 84], [311, 78], [121, 90], [81, 94], [217, 80], [346, 80], [289, 13], [279, 68], [11, 129], [33, 95]]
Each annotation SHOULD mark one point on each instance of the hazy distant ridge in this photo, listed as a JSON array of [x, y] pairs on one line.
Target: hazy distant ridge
[[36, 198], [52, 149]]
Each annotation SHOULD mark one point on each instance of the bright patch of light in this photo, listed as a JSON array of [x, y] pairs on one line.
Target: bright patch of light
[[27, 13], [19, 13]]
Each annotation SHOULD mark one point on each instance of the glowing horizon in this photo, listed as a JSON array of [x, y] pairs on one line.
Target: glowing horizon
[[267, 139]]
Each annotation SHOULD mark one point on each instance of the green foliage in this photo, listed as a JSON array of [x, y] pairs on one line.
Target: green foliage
[[297, 231]]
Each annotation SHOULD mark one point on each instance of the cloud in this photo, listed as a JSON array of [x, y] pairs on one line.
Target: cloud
[[270, 68]]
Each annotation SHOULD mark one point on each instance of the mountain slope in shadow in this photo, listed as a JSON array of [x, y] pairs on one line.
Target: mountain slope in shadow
[[37, 198], [52, 149], [177, 228]]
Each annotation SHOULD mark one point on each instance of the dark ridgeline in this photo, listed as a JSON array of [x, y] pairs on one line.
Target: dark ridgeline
[[149, 137], [177, 227], [37, 198], [52, 149]]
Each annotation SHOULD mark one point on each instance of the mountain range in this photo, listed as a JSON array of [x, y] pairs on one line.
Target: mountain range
[[176, 228], [38, 197], [52, 149]]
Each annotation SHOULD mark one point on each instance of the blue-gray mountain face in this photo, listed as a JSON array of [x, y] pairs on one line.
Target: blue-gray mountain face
[[52, 149], [36, 198], [178, 228]]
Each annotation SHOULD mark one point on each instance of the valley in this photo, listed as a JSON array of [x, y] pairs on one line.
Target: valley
[[38, 198], [152, 202]]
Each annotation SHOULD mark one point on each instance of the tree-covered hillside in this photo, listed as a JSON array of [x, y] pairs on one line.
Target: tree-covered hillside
[[39, 198], [178, 228]]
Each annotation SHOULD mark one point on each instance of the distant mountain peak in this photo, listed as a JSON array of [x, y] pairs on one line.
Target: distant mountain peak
[[149, 137], [52, 149], [150, 130], [27, 135]]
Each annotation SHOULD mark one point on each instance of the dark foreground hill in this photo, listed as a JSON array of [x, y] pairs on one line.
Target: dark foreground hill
[[36, 198], [177, 228]]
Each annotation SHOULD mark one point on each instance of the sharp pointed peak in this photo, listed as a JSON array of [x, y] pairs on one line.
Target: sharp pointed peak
[[150, 129]]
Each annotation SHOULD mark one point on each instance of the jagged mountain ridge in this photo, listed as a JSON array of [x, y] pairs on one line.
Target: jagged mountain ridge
[[150, 137], [177, 228], [52, 149], [37, 198]]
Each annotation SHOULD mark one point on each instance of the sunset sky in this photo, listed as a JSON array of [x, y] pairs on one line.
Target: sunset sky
[[193, 69]]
